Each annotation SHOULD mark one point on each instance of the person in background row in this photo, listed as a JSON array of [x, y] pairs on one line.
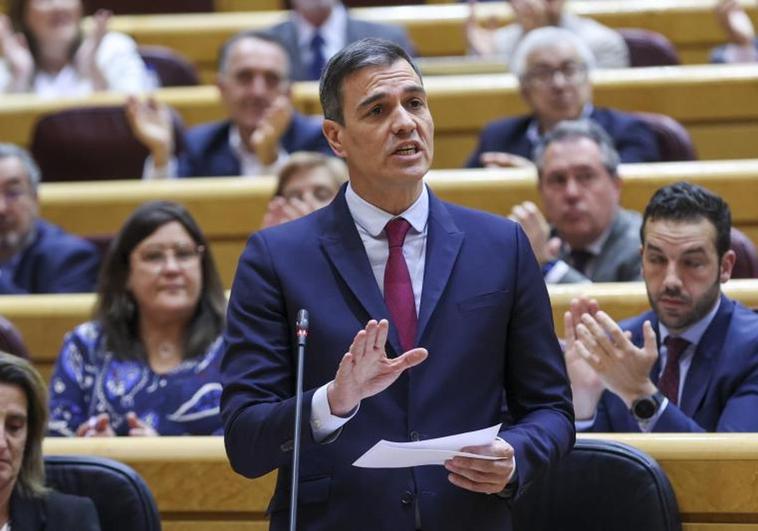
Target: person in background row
[[25, 503], [607, 45], [262, 128], [307, 182], [11, 340], [317, 29], [742, 46], [587, 236], [36, 256], [46, 52], [552, 66], [690, 364], [148, 364]]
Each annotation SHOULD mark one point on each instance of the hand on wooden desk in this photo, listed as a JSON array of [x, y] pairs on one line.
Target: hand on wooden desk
[[497, 159]]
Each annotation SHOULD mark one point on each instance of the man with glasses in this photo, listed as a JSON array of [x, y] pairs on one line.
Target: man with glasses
[[36, 256], [552, 66], [586, 236], [262, 129]]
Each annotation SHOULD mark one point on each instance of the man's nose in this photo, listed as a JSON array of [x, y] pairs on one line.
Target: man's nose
[[672, 281], [402, 121]]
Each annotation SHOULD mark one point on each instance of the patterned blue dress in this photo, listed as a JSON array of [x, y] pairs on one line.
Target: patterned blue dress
[[89, 380]]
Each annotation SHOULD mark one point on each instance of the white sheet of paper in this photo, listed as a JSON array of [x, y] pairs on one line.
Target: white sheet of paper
[[388, 454]]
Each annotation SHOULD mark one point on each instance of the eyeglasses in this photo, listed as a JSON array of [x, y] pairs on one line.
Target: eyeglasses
[[543, 76], [184, 256]]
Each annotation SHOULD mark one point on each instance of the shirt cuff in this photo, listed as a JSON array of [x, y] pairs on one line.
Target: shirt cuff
[[152, 173], [556, 272], [323, 423], [584, 425]]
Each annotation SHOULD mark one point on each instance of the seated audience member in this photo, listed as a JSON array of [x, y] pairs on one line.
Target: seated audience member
[[36, 256], [307, 182], [46, 52], [25, 502], [148, 364], [552, 67], [742, 46], [607, 46], [11, 340], [690, 364], [317, 29], [262, 128], [589, 236]]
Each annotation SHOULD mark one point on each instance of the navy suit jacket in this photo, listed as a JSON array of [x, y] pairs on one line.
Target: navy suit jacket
[[485, 319], [55, 262], [633, 139], [356, 30], [721, 389], [206, 153], [53, 512]]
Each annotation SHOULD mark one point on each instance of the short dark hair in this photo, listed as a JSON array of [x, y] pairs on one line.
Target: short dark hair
[[575, 130], [20, 372], [223, 51], [684, 201], [356, 56], [116, 309]]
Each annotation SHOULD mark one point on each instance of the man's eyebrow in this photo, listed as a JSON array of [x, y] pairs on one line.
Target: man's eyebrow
[[411, 89]]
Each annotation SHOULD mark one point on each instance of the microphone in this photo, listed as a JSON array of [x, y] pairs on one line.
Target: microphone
[[301, 325]]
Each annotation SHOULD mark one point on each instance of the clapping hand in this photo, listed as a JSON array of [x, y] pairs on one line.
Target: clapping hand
[[98, 426], [85, 59], [15, 49], [265, 139], [537, 230], [150, 122]]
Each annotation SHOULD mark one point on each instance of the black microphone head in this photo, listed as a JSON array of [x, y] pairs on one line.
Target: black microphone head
[[302, 320]]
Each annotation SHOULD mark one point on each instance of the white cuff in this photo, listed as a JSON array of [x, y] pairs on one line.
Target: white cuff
[[323, 423], [556, 272], [151, 173], [584, 425]]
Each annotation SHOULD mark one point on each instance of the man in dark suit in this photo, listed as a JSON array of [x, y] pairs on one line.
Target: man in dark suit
[[552, 66], [36, 256], [432, 316], [317, 29], [587, 236], [262, 129], [690, 365]]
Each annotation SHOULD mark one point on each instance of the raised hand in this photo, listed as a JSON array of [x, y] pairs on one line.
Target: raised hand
[[282, 209], [99, 426], [623, 367], [530, 14], [138, 428], [15, 49], [480, 36], [483, 475], [85, 59], [365, 369], [151, 124], [586, 385], [537, 230], [735, 22], [265, 139]]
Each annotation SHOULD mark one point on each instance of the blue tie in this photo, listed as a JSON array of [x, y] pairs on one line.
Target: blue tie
[[317, 57]]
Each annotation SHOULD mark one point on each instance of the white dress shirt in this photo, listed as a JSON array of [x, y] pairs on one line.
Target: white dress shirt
[[370, 222]]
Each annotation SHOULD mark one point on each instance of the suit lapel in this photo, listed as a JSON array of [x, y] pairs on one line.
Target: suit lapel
[[442, 247], [706, 355], [344, 248]]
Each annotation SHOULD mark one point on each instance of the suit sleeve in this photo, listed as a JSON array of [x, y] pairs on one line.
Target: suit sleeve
[[72, 512], [536, 384], [636, 142], [75, 270], [258, 370]]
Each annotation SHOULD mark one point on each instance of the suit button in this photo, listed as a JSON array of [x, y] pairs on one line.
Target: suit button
[[406, 498], [415, 436]]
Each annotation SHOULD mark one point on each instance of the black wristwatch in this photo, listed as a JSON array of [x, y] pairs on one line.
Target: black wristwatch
[[646, 407]]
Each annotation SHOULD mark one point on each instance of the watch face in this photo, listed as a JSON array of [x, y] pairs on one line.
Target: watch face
[[644, 408]]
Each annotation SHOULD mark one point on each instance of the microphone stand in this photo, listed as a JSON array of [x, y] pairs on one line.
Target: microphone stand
[[302, 334]]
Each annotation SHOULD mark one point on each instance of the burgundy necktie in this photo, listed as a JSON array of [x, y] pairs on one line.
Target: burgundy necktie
[[669, 382], [398, 289]]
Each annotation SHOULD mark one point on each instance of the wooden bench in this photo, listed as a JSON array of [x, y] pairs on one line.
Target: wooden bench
[[713, 476], [718, 104], [97, 208], [43, 320], [437, 30]]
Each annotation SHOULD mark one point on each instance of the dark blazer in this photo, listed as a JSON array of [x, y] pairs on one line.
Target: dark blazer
[[721, 389], [53, 512], [619, 259], [485, 319], [634, 140], [206, 151], [286, 32], [55, 262]]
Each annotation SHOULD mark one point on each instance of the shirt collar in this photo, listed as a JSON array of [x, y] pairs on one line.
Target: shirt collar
[[335, 24], [596, 246], [373, 219], [695, 332], [533, 129]]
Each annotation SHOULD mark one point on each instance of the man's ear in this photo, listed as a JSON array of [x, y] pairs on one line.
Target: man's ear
[[727, 264], [333, 133]]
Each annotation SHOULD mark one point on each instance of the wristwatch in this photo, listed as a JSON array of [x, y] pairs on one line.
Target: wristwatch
[[646, 407]]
